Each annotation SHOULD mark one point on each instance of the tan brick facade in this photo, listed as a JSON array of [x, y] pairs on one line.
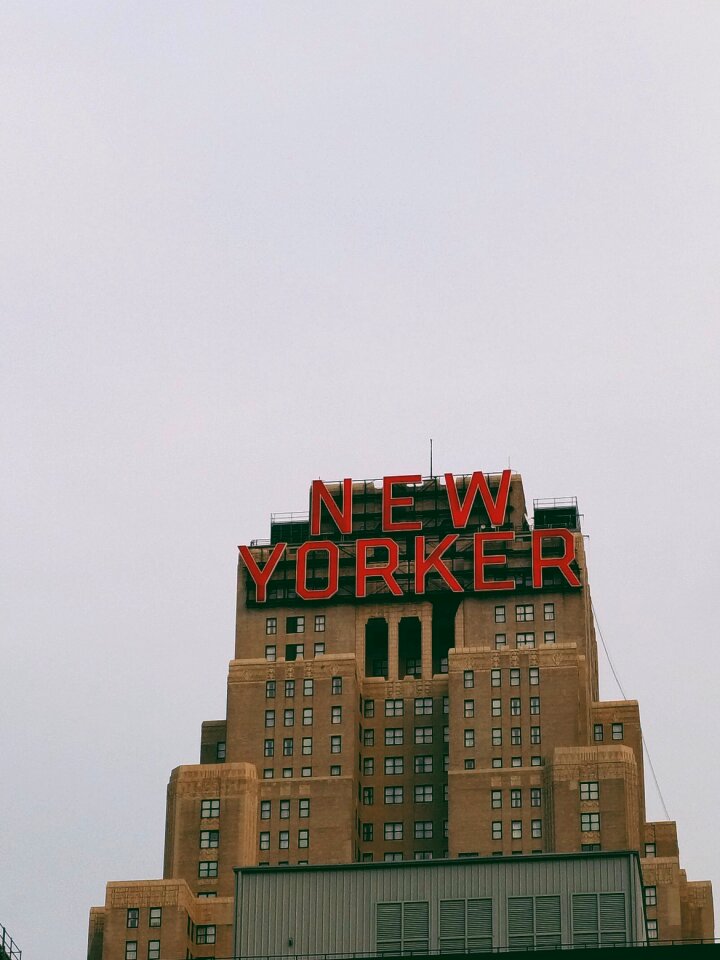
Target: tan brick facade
[[425, 726]]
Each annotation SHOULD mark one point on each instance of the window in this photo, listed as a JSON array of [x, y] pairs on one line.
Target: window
[[469, 738], [597, 732], [209, 839], [445, 792], [652, 929], [368, 737], [295, 625], [516, 797], [269, 748], [515, 736], [549, 611], [153, 950], [549, 636], [268, 773], [289, 688], [307, 716], [535, 796], [496, 762], [155, 919], [516, 829], [424, 793], [393, 831], [271, 652], [534, 705], [303, 838], [368, 796], [589, 847], [617, 731], [284, 839], [589, 822], [423, 829], [284, 809], [423, 706], [131, 950], [319, 649], [497, 736], [413, 667], [535, 735], [495, 678], [393, 766], [514, 678], [496, 799], [220, 750], [534, 676], [468, 678], [524, 640], [589, 790], [306, 772], [496, 708], [269, 718], [289, 718], [335, 744], [515, 706], [294, 651], [270, 689], [335, 714], [500, 641], [393, 736], [497, 829], [423, 734], [469, 708], [320, 623], [207, 869], [265, 809], [133, 917], [650, 850], [287, 772], [469, 764], [393, 708], [650, 896], [337, 685], [308, 688], [446, 704], [270, 625], [367, 832], [368, 766], [205, 933], [368, 708], [423, 855], [393, 794], [536, 829], [207, 894], [423, 764], [536, 761], [515, 761], [499, 614], [524, 612], [287, 746]]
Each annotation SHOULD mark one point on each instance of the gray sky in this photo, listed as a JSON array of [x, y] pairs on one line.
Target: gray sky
[[249, 244]]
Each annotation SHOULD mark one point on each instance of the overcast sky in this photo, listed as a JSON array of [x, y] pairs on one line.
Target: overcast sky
[[249, 244]]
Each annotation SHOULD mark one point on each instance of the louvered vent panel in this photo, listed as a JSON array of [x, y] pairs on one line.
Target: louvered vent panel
[[585, 919], [612, 912], [416, 926], [479, 925], [520, 923], [389, 928]]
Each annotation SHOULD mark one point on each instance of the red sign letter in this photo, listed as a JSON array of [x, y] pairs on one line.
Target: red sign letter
[[319, 494], [434, 561], [261, 577], [319, 593], [363, 571], [481, 561], [540, 563], [389, 501], [496, 509]]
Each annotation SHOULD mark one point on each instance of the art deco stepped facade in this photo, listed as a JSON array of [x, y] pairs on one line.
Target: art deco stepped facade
[[453, 722]]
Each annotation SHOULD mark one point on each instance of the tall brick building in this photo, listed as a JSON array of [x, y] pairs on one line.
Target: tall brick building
[[415, 677]]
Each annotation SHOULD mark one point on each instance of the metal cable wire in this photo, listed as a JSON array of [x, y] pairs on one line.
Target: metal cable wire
[[624, 696]]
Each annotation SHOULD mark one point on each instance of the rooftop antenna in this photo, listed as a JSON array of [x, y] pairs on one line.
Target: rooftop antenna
[[431, 473]]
